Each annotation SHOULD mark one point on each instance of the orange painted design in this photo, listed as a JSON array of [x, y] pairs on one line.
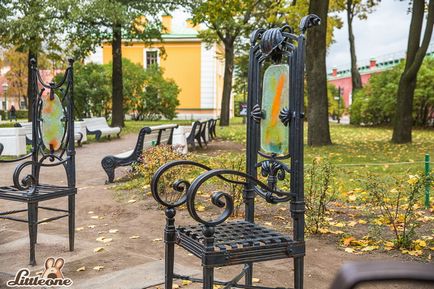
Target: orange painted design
[[275, 109]]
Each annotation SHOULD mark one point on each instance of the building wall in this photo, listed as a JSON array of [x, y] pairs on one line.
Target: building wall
[[346, 86]]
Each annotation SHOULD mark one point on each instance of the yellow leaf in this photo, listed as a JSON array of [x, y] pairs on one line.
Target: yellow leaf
[[113, 231], [81, 269], [349, 250], [431, 248], [90, 212], [347, 241], [339, 225], [362, 221], [157, 239], [175, 286], [131, 201], [100, 239], [134, 237], [186, 282], [79, 229], [99, 249], [94, 217], [352, 198], [98, 268], [256, 280], [352, 223], [369, 248], [269, 224], [323, 230], [200, 208]]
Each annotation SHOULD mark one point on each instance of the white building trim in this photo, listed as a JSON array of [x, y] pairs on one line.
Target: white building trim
[[149, 49], [208, 79]]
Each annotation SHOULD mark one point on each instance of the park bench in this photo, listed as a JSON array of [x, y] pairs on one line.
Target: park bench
[[78, 136], [274, 134], [194, 134], [98, 126], [1, 148], [212, 123], [52, 126], [202, 131], [148, 136]]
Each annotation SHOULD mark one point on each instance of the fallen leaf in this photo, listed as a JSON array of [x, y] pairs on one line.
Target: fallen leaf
[[200, 208], [369, 248], [269, 224], [349, 250], [113, 231], [186, 282], [98, 268], [362, 222], [91, 226], [79, 229], [131, 201], [94, 217], [99, 249], [90, 212], [134, 237], [352, 223], [81, 269], [256, 280], [347, 241], [175, 286], [157, 239]]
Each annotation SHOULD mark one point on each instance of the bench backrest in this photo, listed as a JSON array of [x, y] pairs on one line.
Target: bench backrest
[[154, 135], [1, 149], [96, 123]]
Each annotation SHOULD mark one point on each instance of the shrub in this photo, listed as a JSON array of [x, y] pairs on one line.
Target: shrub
[[319, 192], [397, 199], [375, 103]]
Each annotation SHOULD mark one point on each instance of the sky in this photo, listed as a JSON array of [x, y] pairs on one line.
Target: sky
[[382, 36]]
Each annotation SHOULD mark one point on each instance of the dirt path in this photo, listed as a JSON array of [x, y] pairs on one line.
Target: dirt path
[[133, 259]]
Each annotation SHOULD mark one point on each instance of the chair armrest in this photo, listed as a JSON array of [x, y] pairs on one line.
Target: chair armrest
[[224, 200], [353, 274], [177, 188]]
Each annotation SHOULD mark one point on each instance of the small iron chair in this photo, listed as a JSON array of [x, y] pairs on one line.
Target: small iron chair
[[52, 145], [275, 110]]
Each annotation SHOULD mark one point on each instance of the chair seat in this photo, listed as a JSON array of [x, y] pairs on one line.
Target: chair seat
[[42, 193], [239, 242]]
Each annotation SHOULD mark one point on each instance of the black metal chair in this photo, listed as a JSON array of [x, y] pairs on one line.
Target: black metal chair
[[352, 275], [52, 145], [194, 135], [1, 148], [276, 103]]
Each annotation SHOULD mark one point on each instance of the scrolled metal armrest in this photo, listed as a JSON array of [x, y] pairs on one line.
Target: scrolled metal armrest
[[179, 186], [227, 203]]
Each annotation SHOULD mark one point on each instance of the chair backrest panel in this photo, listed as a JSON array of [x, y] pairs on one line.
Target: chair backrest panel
[[52, 126]]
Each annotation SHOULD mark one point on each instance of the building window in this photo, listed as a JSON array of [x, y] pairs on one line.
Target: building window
[[151, 58]]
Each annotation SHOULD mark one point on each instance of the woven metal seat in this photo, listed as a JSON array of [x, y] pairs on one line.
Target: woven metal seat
[[239, 242], [41, 193]]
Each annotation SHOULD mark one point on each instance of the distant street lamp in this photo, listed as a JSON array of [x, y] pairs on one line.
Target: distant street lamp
[[5, 89], [338, 98]]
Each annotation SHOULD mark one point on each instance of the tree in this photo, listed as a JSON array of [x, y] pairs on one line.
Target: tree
[[30, 25], [227, 21], [316, 74], [416, 51], [360, 9], [120, 21], [17, 75]]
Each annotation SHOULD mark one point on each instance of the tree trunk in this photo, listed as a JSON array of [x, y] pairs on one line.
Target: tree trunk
[[117, 81], [403, 121], [356, 80], [30, 56], [318, 124], [227, 83]]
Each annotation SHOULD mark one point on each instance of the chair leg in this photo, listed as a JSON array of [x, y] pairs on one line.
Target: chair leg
[[298, 272], [200, 142], [249, 274], [208, 277], [36, 223], [169, 261], [31, 212], [71, 221]]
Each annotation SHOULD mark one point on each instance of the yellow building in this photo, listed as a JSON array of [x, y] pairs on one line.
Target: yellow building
[[196, 68]]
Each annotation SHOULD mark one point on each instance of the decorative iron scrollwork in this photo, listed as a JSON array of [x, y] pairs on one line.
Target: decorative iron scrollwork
[[256, 113], [285, 116], [26, 183], [309, 21], [274, 170]]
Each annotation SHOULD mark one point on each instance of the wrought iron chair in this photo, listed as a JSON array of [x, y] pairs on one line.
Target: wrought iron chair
[[52, 145], [275, 133]]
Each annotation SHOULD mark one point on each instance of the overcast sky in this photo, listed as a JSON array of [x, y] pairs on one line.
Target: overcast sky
[[383, 33]]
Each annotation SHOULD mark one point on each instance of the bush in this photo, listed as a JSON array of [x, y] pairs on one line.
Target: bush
[[375, 103], [21, 114], [397, 199], [159, 98], [91, 90], [319, 192]]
